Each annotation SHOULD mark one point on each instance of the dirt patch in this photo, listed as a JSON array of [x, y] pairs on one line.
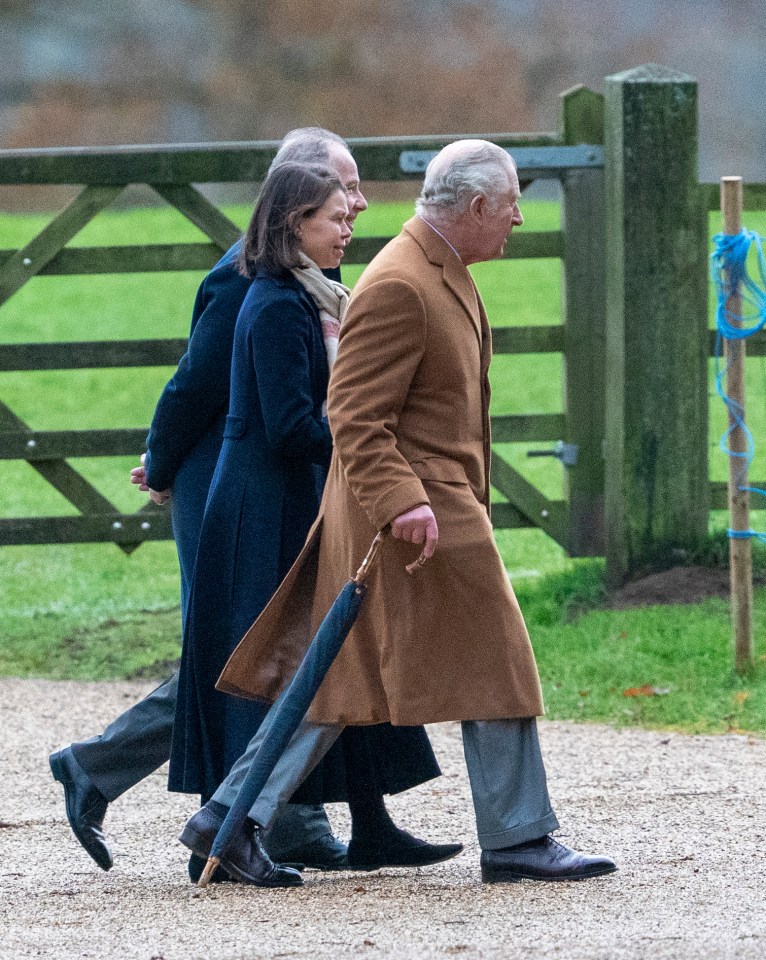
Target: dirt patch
[[677, 585]]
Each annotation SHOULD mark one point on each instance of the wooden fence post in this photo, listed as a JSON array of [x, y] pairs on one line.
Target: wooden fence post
[[740, 550], [657, 493], [584, 322]]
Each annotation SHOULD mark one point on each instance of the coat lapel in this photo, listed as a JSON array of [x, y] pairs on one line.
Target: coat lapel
[[455, 274], [486, 335]]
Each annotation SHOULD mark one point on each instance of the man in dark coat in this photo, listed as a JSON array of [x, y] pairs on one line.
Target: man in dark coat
[[182, 451]]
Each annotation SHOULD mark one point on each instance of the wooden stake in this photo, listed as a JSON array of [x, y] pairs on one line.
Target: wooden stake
[[740, 551]]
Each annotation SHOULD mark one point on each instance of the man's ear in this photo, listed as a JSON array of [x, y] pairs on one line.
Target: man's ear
[[478, 207]]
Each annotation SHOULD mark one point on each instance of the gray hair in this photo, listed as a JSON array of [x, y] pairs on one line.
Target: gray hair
[[482, 170], [306, 145]]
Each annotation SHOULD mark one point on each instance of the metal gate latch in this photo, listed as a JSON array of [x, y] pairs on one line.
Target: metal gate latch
[[565, 452]]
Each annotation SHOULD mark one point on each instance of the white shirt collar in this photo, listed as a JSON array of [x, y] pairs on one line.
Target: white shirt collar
[[438, 233]]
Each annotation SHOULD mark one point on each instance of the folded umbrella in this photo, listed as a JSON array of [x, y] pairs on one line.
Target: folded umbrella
[[295, 703]]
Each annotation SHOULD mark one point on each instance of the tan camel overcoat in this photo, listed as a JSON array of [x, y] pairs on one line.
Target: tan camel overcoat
[[409, 412]]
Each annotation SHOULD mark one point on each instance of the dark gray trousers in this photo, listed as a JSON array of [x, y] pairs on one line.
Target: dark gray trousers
[[134, 745], [137, 743]]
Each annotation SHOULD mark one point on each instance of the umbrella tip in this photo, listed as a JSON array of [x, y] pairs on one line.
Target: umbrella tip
[[207, 873]]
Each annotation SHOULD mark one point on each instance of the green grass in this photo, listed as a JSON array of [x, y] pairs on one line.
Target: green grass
[[589, 658], [90, 612]]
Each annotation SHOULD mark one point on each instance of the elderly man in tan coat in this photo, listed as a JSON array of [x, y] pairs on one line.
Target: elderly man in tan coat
[[409, 412]]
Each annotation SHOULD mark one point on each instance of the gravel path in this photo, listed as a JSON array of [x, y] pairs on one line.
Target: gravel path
[[684, 817]]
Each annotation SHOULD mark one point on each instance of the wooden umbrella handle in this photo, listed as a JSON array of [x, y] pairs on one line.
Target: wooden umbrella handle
[[413, 567], [364, 569]]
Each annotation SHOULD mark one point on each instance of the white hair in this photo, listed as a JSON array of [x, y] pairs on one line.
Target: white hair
[[448, 190], [306, 145]]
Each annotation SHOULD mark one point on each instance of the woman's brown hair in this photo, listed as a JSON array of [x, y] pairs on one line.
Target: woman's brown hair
[[290, 192]]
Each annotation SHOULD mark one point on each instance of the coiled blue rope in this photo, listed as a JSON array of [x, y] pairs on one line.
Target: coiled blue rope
[[729, 272]]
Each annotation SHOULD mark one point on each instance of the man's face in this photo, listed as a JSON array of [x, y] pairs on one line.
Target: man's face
[[345, 166], [500, 220]]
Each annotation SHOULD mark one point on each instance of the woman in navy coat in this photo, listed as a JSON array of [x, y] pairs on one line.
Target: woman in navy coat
[[263, 499]]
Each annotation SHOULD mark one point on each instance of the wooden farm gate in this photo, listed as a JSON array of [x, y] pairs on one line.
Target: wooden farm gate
[[172, 172]]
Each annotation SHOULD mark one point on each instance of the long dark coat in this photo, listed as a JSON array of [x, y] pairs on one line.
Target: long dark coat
[[187, 429], [263, 499]]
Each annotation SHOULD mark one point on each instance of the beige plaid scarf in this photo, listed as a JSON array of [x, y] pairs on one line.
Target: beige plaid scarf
[[331, 299]]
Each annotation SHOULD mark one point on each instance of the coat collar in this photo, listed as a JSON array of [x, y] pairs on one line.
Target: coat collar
[[277, 276], [286, 281], [454, 271]]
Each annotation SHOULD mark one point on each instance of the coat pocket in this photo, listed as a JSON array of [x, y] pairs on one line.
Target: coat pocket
[[439, 468], [235, 427]]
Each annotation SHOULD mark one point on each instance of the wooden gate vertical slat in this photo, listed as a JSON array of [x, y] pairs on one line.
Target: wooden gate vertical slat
[[584, 326]]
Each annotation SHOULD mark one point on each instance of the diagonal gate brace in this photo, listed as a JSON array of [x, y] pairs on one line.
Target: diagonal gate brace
[[548, 515], [37, 254]]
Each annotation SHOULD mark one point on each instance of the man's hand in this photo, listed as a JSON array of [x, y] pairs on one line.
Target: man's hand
[[138, 476], [417, 526]]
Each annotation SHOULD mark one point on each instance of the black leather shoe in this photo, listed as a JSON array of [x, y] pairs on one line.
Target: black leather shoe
[[85, 806], [244, 860], [543, 859], [326, 853], [399, 850]]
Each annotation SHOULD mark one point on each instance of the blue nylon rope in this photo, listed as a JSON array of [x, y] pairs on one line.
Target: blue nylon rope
[[728, 264]]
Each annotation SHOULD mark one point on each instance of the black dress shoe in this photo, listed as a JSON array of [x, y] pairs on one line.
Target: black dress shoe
[[244, 859], [398, 850], [543, 859], [85, 806], [326, 853]]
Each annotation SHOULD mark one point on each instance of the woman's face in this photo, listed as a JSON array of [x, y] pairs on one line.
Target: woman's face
[[324, 234]]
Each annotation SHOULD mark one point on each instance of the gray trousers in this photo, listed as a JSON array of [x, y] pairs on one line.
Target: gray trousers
[[138, 742], [505, 769]]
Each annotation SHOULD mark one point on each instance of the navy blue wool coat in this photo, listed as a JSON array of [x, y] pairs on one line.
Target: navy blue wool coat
[[264, 496], [187, 429]]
